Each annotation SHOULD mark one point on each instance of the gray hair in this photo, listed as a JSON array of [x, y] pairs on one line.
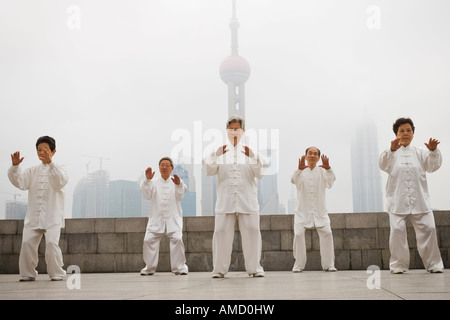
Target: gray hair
[[238, 119]]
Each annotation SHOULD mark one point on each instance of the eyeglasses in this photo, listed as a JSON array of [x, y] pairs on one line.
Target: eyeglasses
[[234, 130]]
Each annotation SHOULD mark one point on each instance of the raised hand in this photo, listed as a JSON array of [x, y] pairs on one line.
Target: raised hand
[[395, 144], [221, 150], [16, 159], [325, 162], [432, 144], [176, 179], [149, 173], [46, 156], [248, 152], [301, 163]]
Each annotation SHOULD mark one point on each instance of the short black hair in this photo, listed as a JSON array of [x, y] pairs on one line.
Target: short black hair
[[306, 152], [166, 158], [401, 121], [46, 139]]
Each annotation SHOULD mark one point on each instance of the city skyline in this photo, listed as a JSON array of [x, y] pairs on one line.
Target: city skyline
[[117, 80], [98, 197]]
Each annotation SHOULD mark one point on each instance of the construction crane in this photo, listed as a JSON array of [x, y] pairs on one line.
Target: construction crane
[[97, 157], [13, 193]]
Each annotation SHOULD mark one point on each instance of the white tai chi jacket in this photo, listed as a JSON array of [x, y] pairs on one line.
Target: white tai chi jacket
[[237, 187], [45, 183], [406, 188], [166, 214], [311, 207]]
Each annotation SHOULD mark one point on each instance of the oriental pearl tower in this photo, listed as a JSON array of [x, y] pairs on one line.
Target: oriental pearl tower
[[235, 71]]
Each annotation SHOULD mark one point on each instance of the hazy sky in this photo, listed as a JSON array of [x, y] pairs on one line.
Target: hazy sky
[[116, 79]]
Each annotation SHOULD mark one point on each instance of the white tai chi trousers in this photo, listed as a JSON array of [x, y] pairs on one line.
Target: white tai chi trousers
[[325, 242], [28, 259], [177, 253], [223, 241], [426, 238]]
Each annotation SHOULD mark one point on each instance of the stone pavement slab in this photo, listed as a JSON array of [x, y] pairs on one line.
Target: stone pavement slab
[[236, 286]]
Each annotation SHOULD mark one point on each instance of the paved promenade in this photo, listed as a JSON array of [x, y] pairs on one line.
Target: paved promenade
[[416, 284]]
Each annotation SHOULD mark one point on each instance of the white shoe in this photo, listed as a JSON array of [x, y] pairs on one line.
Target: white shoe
[[24, 278], [297, 270], [56, 278], [217, 275], [436, 270], [183, 273], [145, 272], [258, 274], [397, 271], [331, 269]]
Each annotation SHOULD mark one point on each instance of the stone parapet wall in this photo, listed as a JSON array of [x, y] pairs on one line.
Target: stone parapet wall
[[115, 244]]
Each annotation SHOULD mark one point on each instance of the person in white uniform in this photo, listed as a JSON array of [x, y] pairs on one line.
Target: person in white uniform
[[408, 199], [165, 218], [237, 168], [45, 212], [311, 182]]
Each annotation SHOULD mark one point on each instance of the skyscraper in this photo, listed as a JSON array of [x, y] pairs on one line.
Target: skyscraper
[[209, 194], [145, 204], [95, 196], [90, 197], [269, 202], [188, 203], [124, 199], [366, 177], [15, 209], [235, 71], [292, 201]]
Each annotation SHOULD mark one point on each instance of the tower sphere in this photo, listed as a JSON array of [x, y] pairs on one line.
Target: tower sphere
[[234, 69]]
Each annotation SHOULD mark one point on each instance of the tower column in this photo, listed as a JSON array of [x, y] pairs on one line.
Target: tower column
[[235, 71]]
